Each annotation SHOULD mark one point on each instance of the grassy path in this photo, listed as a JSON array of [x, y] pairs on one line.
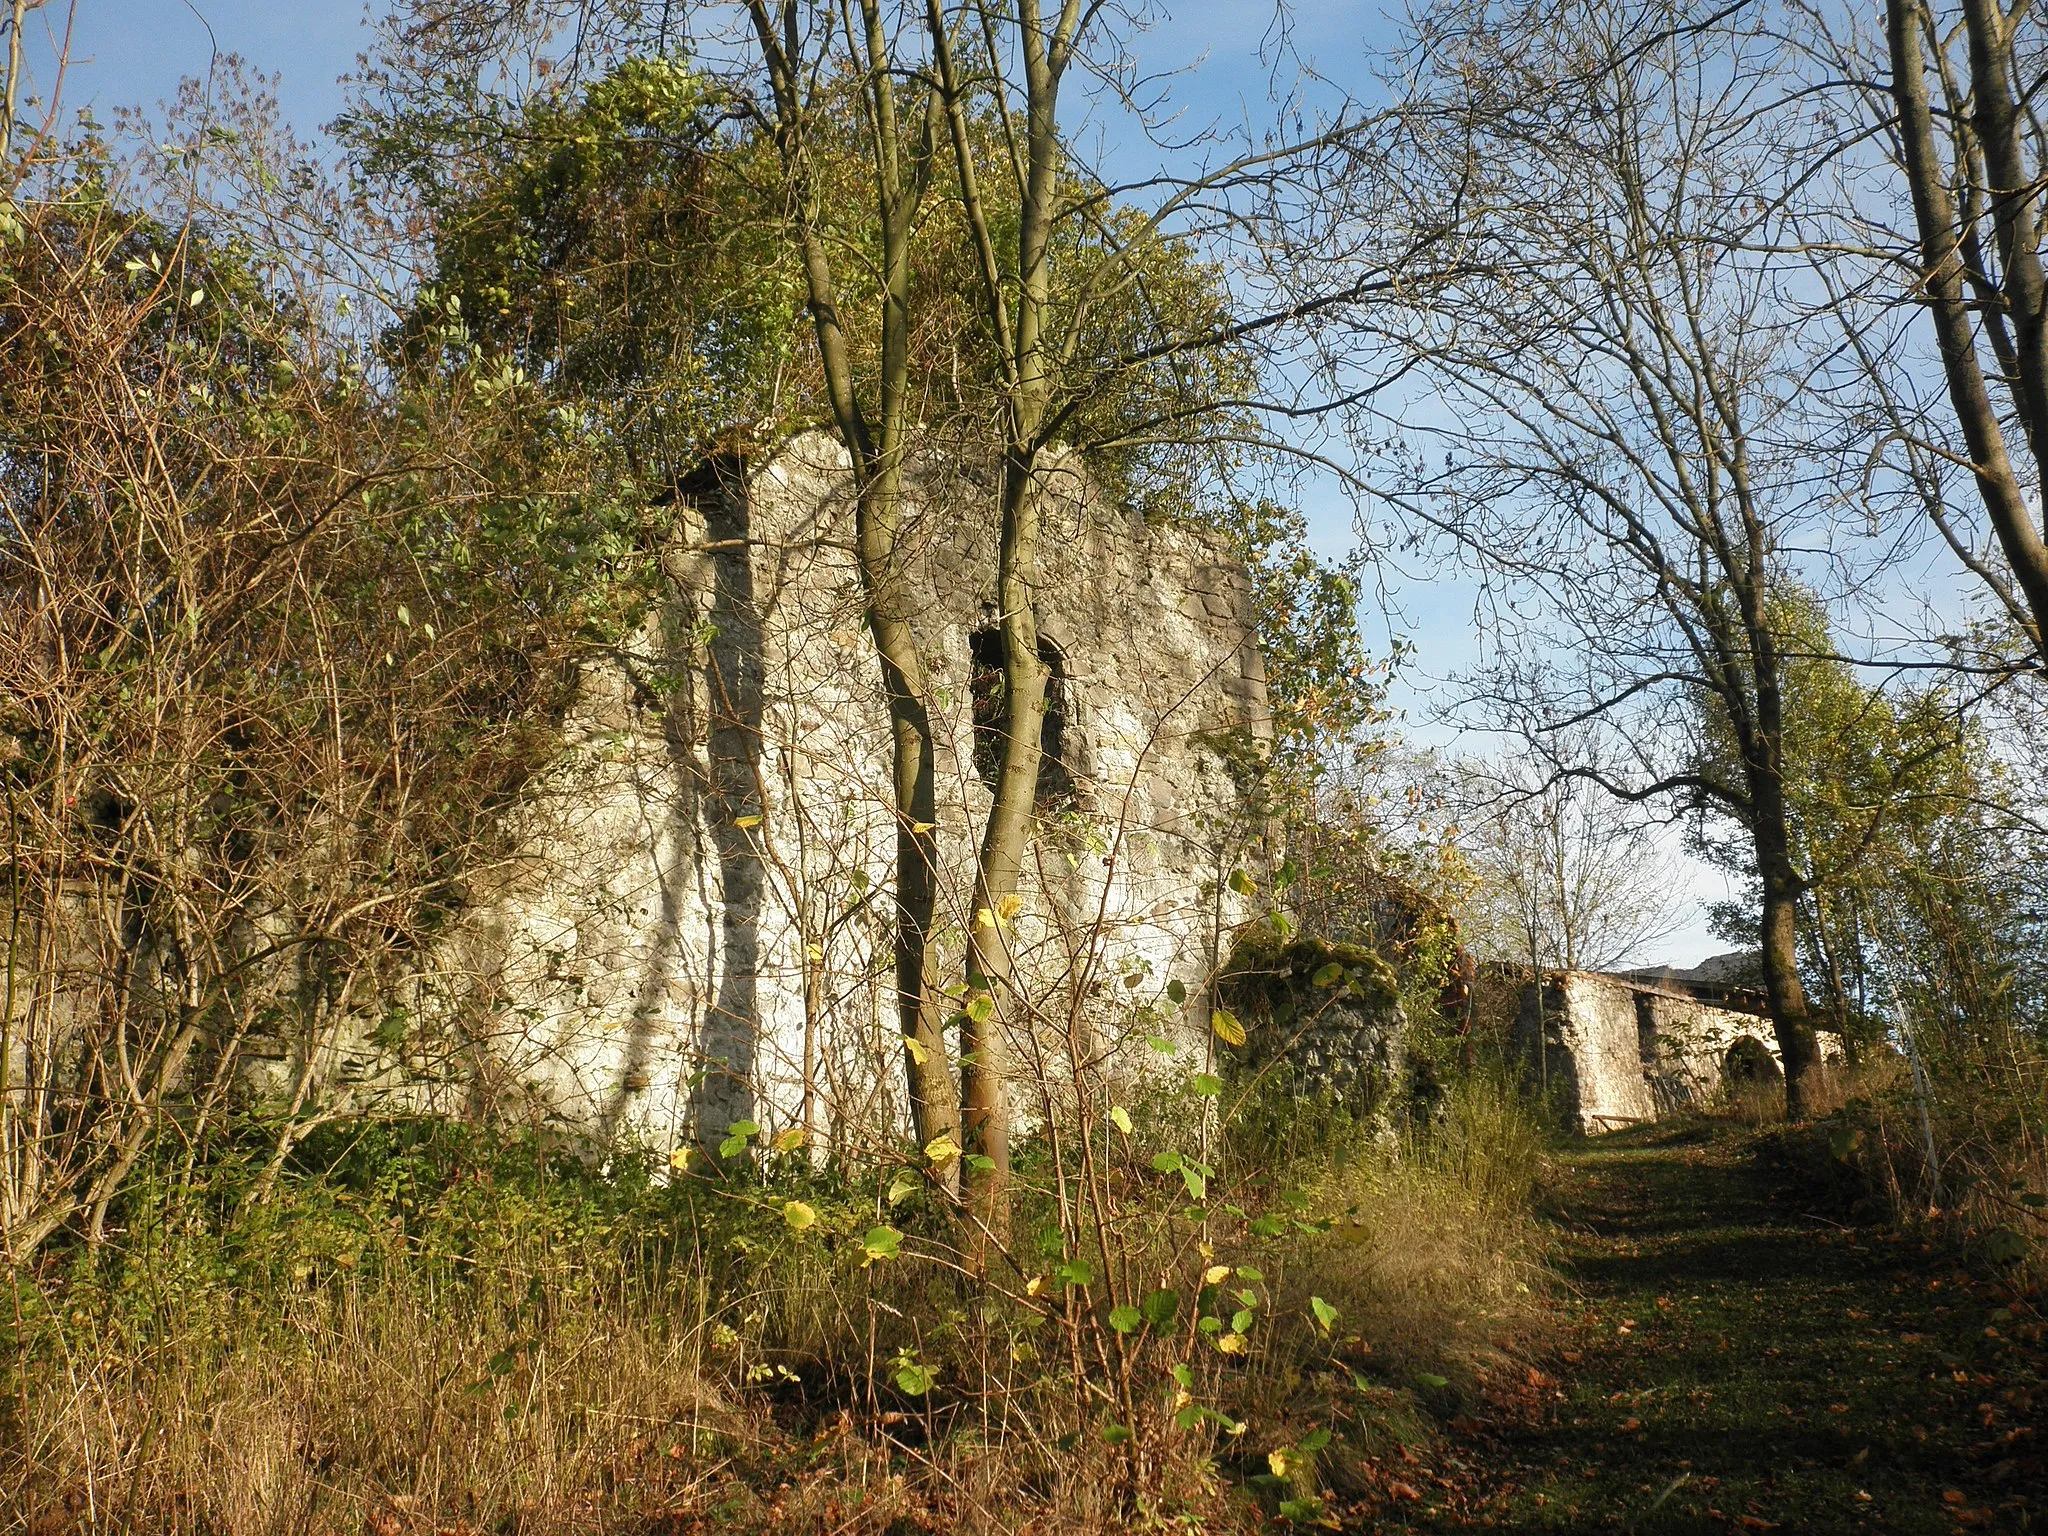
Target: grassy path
[[1735, 1360]]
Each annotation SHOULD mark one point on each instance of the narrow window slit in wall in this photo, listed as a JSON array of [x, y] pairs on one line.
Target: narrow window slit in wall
[[986, 652]]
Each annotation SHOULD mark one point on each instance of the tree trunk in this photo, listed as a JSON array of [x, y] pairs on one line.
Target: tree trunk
[[934, 1108], [1791, 1018], [875, 447], [1942, 283], [985, 1116]]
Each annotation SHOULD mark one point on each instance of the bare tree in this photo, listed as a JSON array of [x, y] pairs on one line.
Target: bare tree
[[1569, 876], [805, 54], [1968, 139], [1615, 377]]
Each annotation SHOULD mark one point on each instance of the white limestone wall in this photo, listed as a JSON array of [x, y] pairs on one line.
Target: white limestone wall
[[698, 932], [1598, 1031], [1622, 1051]]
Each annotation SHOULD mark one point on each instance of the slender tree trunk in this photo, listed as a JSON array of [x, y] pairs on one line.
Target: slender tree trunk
[[985, 1114], [934, 1109], [875, 447], [1942, 283], [1018, 326], [1791, 1017], [1771, 834]]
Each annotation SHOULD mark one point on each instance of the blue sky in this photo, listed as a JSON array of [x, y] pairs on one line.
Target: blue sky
[[134, 53]]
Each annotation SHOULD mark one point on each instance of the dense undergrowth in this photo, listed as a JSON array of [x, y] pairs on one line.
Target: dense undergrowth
[[425, 1326], [1954, 1155]]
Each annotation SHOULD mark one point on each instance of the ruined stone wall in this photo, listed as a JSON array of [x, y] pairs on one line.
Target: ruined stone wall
[[1590, 1054], [698, 933], [1618, 1049]]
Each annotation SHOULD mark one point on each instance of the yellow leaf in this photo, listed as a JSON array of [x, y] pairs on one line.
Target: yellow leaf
[[922, 827], [746, 823], [1231, 1344], [789, 1140], [1008, 907], [1034, 1285], [1216, 1274], [814, 954], [798, 1215], [1227, 1028], [983, 918], [1279, 1461], [917, 1051], [1121, 1119], [942, 1149]]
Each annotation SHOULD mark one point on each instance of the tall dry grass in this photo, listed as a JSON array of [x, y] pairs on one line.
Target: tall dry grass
[[446, 1343]]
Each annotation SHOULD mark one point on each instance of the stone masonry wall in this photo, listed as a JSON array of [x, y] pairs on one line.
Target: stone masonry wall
[[1625, 1048], [699, 932]]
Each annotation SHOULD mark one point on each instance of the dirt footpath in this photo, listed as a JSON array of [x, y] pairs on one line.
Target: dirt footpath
[[1737, 1359]]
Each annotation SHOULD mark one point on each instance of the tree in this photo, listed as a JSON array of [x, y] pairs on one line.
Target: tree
[[1627, 444], [1968, 144], [620, 237], [1565, 875], [280, 649], [1889, 788], [921, 153]]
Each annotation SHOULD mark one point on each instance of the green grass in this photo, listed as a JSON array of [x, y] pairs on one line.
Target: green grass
[[1734, 1358]]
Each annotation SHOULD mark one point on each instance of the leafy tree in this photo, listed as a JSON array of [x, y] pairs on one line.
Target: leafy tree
[[1901, 823], [281, 646]]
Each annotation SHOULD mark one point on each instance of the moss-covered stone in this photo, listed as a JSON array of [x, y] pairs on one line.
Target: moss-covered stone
[[1322, 1017]]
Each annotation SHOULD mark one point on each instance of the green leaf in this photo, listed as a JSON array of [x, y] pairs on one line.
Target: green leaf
[[915, 1380], [1326, 1315], [1241, 1321], [1314, 1441], [1434, 1383], [1115, 1434], [1207, 1085], [980, 1162], [1192, 1175], [1176, 991], [1243, 883], [1125, 1319], [881, 1243], [1161, 1044], [980, 1008], [1121, 1119], [2002, 1245], [1328, 975], [1075, 1272], [1166, 1162], [903, 1186], [1159, 1308], [799, 1215]]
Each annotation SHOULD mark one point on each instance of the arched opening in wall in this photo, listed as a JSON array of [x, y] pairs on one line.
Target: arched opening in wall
[[986, 653], [1749, 1063]]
